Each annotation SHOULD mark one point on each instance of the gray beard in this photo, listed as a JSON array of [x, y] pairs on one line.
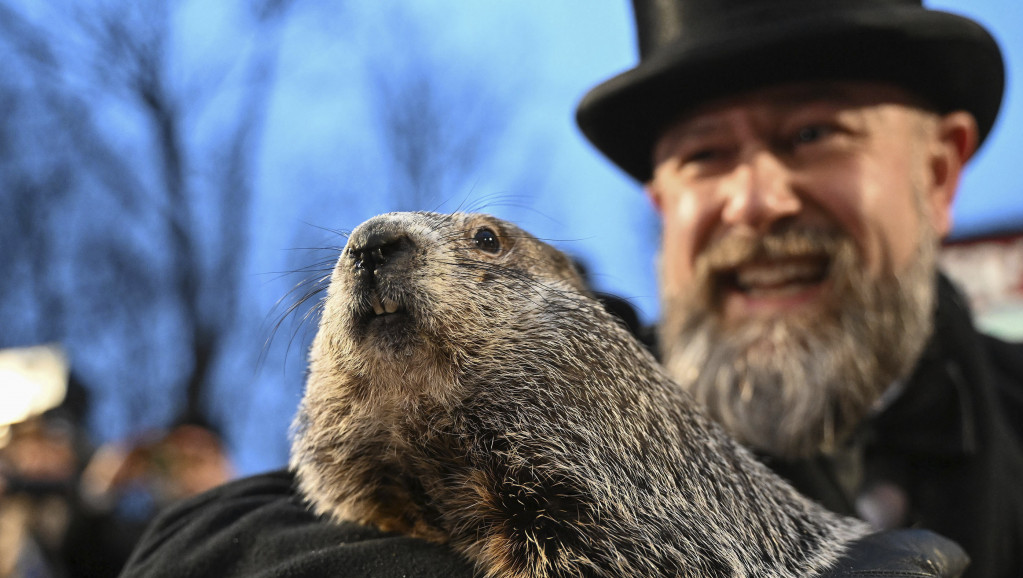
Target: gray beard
[[799, 385]]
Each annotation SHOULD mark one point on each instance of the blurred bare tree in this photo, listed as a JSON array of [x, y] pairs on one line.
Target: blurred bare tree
[[440, 119], [130, 133], [440, 116], [127, 178]]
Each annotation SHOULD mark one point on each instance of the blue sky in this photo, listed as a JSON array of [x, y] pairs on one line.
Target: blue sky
[[527, 63], [545, 56], [322, 158], [991, 195]]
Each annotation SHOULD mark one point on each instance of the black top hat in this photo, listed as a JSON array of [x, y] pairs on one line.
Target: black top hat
[[695, 50]]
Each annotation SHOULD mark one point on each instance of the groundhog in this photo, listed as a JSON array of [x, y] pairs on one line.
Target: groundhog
[[465, 388]]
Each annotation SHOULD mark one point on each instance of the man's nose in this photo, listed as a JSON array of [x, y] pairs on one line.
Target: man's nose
[[760, 192]]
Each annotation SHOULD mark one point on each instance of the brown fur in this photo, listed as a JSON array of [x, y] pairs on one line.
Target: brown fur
[[503, 411]]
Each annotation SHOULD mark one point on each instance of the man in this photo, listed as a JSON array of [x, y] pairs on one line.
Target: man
[[804, 157], [804, 174]]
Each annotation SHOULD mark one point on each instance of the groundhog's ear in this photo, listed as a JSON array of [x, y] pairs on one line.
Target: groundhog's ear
[[573, 271]]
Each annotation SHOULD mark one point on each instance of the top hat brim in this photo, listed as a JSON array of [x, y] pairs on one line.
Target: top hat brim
[[952, 62]]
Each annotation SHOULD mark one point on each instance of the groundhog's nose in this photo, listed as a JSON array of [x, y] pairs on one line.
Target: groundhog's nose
[[377, 243]]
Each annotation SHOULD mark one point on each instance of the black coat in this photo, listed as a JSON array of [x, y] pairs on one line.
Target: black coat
[[953, 438], [257, 528]]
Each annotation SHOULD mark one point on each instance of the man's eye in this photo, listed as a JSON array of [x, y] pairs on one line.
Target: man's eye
[[701, 155], [812, 133]]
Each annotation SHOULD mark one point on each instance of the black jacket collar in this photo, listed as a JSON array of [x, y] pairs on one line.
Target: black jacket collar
[[935, 413]]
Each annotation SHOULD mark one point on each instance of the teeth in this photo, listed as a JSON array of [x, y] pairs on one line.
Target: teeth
[[767, 275], [377, 307], [383, 306]]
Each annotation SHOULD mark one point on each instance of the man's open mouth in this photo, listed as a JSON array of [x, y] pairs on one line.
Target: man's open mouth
[[779, 277]]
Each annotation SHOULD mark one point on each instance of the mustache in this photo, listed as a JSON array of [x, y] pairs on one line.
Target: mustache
[[735, 250]]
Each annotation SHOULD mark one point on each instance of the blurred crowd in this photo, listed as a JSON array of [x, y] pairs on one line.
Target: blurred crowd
[[69, 508]]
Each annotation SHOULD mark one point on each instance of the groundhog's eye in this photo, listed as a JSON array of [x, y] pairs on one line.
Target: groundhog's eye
[[487, 241]]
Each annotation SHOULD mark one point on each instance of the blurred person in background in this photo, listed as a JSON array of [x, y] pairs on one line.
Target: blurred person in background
[[125, 484], [42, 449], [67, 510], [37, 469]]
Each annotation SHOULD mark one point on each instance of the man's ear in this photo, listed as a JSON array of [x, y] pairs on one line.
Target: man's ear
[[956, 141], [654, 195]]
